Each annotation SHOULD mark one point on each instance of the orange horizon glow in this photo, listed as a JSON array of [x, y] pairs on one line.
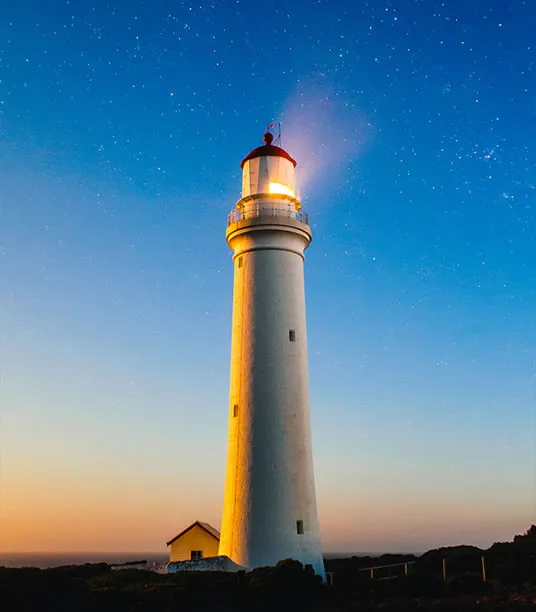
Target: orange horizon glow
[[96, 515]]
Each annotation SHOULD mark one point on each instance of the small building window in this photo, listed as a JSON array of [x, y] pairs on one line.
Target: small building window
[[299, 527], [292, 335], [196, 555], [235, 410], [240, 262]]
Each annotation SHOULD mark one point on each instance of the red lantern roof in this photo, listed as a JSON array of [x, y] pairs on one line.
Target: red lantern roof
[[268, 149]]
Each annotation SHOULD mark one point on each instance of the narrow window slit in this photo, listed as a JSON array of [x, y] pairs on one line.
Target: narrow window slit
[[292, 335], [235, 410], [299, 527]]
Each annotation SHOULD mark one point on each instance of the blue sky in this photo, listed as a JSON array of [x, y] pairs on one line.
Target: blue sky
[[122, 129]]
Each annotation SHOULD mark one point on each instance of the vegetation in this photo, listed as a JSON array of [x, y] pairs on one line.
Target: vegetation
[[446, 579]]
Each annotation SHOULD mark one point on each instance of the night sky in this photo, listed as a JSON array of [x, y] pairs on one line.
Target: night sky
[[122, 127]]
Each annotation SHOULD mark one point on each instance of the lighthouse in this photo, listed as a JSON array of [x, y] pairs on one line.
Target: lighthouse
[[269, 510]]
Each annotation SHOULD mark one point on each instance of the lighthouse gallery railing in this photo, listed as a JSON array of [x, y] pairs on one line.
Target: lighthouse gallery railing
[[252, 211]]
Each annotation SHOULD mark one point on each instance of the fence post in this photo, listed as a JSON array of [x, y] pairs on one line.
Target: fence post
[[444, 569], [371, 572], [405, 569], [483, 569]]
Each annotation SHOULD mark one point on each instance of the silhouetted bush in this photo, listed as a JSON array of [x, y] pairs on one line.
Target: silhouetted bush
[[30, 589], [288, 585]]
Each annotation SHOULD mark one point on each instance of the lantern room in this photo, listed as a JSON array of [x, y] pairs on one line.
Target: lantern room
[[269, 169]]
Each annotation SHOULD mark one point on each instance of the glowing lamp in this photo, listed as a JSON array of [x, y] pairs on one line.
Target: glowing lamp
[[284, 189]]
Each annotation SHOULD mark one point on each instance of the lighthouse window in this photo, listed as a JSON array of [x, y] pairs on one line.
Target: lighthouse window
[[240, 262], [292, 335], [299, 527], [235, 410]]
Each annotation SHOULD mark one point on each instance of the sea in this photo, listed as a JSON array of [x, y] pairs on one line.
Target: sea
[[46, 560]]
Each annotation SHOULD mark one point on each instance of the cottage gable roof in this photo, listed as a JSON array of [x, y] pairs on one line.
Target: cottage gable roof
[[206, 526], [212, 530]]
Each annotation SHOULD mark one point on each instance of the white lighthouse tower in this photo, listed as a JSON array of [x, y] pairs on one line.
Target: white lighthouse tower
[[269, 511]]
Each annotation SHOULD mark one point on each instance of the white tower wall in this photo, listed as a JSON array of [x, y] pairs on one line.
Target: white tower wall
[[269, 492]]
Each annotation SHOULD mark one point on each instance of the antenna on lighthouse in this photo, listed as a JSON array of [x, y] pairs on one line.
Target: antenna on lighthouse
[[277, 140]]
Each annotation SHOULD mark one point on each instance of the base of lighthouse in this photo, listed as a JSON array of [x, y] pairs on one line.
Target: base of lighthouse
[[270, 504]]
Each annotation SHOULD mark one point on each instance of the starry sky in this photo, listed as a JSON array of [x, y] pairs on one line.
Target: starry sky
[[122, 127]]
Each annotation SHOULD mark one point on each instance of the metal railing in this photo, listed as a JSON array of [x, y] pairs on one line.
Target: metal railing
[[371, 570], [252, 211]]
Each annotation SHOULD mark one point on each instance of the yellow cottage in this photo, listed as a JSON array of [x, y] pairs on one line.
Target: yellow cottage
[[198, 541]]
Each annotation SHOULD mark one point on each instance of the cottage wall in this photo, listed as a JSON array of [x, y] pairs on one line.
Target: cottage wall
[[194, 539]]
